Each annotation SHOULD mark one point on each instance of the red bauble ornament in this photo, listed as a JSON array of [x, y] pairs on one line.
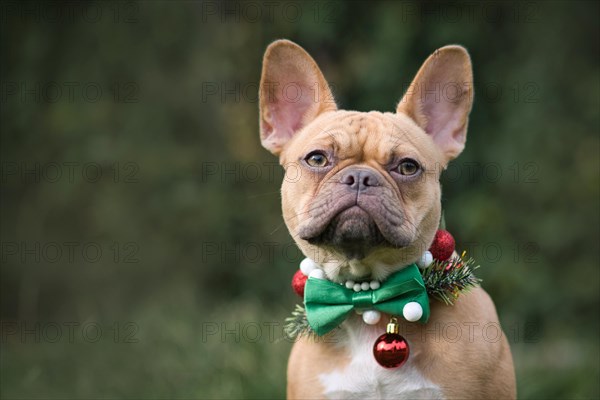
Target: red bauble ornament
[[391, 349], [298, 283], [443, 245]]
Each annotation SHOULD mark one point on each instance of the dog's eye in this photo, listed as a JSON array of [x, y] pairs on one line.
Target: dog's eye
[[408, 167], [316, 159]]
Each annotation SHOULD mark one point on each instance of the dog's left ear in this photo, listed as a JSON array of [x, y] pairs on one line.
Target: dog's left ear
[[292, 93], [440, 98]]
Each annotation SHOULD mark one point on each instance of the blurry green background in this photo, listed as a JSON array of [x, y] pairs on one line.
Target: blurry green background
[[143, 250]]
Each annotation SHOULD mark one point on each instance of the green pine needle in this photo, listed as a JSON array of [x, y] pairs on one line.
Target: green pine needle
[[446, 284], [297, 325]]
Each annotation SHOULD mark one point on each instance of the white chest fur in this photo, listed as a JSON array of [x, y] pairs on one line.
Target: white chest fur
[[363, 378]]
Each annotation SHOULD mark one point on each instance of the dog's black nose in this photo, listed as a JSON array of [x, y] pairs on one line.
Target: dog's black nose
[[360, 179]]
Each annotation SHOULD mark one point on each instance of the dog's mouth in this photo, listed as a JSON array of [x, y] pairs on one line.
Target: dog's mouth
[[354, 231]]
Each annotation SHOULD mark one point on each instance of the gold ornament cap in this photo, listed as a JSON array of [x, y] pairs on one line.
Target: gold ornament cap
[[392, 326]]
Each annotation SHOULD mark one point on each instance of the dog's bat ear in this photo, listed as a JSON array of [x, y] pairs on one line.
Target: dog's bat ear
[[292, 93], [440, 98]]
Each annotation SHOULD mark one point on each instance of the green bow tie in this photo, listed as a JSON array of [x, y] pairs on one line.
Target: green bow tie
[[328, 304]]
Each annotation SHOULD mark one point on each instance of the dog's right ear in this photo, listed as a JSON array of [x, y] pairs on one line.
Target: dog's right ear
[[292, 93]]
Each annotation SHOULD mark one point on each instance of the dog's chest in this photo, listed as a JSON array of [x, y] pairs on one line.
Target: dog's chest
[[363, 378]]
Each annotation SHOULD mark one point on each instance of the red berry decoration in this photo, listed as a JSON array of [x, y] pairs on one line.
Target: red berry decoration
[[391, 349], [298, 283], [443, 245]]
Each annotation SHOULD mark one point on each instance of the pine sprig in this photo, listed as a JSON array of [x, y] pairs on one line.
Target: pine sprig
[[445, 280], [297, 325]]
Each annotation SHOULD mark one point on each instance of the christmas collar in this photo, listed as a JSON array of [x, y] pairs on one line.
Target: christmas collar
[[328, 304], [405, 294]]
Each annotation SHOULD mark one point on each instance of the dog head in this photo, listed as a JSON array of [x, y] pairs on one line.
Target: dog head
[[361, 194]]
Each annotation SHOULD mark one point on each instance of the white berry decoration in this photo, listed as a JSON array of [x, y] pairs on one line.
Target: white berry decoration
[[412, 311], [425, 260], [317, 274], [307, 266], [349, 284], [374, 285], [371, 317]]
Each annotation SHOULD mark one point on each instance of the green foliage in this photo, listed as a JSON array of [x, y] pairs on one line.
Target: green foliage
[[297, 325], [446, 280], [179, 240]]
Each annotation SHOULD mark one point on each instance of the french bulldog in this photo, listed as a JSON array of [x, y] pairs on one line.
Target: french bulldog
[[361, 198]]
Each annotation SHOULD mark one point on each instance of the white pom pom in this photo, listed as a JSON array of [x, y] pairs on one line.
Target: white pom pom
[[317, 274], [349, 284], [371, 317], [365, 286], [374, 285], [307, 266], [412, 311], [425, 260], [356, 287]]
